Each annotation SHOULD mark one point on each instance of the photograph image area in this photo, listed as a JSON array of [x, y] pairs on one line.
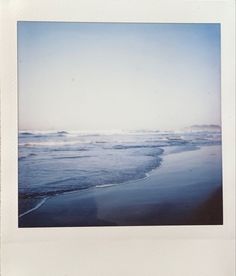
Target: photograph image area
[[119, 124]]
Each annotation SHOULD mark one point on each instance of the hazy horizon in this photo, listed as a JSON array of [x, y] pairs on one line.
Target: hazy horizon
[[116, 130], [112, 76]]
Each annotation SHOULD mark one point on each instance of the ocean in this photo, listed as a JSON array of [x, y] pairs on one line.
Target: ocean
[[60, 162]]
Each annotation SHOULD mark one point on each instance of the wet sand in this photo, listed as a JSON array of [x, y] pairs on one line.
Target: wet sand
[[185, 190], [211, 211]]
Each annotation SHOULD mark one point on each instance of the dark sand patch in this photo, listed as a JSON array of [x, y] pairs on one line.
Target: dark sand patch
[[211, 211]]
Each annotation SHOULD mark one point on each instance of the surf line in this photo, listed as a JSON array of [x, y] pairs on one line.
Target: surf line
[[35, 208]]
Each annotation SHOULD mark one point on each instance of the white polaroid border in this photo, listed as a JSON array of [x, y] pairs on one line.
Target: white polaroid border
[[147, 250]]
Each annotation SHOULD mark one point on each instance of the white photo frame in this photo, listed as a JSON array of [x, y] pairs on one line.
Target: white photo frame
[[162, 250]]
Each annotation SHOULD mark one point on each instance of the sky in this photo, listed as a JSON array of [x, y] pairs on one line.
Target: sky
[[110, 76]]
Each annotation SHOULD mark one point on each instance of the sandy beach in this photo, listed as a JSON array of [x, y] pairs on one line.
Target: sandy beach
[[184, 190]]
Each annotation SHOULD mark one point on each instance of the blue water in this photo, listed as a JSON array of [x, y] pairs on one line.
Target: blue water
[[52, 163]]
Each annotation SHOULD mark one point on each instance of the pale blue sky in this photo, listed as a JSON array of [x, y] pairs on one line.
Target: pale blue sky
[[94, 76]]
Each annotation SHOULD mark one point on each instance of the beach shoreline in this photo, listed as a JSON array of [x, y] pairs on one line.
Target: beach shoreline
[[173, 194]]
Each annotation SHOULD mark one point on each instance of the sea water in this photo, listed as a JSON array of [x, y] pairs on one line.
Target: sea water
[[52, 163]]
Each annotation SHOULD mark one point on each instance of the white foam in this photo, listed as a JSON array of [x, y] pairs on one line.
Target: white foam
[[104, 185], [50, 144], [35, 208]]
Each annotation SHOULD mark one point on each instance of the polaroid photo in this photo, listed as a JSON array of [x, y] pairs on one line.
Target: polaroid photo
[[117, 138]]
